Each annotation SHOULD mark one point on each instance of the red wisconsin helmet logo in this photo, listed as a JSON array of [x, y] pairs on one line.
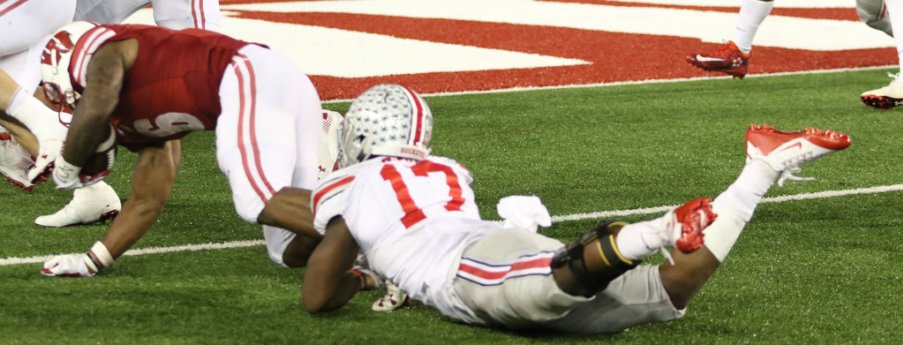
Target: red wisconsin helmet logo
[[59, 44]]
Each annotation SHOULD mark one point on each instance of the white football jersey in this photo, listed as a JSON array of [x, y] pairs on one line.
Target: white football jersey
[[411, 220]]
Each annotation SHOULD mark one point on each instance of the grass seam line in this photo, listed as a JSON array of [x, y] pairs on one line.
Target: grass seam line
[[11, 261]]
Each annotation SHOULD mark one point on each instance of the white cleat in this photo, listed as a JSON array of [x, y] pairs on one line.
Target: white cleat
[[886, 97], [91, 204], [786, 151]]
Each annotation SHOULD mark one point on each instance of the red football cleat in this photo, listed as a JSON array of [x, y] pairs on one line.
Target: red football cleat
[[727, 59], [786, 151]]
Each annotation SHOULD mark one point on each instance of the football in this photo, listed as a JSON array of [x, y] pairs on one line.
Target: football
[[101, 162]]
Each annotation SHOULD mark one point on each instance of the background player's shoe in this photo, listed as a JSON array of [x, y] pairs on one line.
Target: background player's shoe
[[14, 162], [727, 59], [786, 151], [886, 97], [91, 204]]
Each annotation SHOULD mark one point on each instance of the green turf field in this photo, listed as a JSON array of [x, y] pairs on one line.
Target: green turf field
[[820, 271]]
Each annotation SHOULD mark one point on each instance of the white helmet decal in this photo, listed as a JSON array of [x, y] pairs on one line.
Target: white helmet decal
[[386, 120], [55, 74]]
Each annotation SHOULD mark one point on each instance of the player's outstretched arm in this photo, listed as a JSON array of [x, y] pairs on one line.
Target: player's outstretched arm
[[152, 179], [328, 284]]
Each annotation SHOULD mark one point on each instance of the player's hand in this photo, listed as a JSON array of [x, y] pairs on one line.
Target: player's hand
[[71, 265], [65, 175], [523, 212], [44, 162]]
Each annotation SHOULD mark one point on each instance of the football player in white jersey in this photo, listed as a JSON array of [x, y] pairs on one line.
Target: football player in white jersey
[[25, 120], [413, 217]]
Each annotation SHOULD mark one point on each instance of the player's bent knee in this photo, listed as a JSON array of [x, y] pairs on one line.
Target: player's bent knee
[[600, 240]]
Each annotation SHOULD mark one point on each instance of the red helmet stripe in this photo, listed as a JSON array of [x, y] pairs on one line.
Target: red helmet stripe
[[84, 49], [417, 120]]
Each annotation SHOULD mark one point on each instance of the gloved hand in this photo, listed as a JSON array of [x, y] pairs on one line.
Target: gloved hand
[[65, 175], [48, 152], [523, 212], [70, 265]]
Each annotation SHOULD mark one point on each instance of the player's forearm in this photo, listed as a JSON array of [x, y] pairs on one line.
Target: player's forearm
[[132, 223], [86, 132], [321, 298], [152, 179]]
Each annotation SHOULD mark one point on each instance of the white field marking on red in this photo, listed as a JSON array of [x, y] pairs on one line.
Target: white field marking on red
[[781, 3], [637, 82], [708, 26], [339, 52], [11, 261]]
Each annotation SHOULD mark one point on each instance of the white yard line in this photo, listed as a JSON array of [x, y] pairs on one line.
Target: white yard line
[[11, 261], [639, 82]]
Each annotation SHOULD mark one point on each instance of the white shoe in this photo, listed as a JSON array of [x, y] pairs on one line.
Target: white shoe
[[95, 203], [14, 162], [886, 97], [786, 151]]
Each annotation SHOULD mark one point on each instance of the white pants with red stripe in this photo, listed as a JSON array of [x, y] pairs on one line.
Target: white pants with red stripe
[[504, 278], [268, 134], [25, 25], [173, 14]]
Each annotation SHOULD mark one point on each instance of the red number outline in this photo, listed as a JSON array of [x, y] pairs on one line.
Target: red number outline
[[413, 213]]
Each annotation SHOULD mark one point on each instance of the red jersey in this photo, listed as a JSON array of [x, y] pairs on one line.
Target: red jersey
[[172, 88]]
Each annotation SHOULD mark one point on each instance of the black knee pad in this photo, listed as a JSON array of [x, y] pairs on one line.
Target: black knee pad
[[615, 264]]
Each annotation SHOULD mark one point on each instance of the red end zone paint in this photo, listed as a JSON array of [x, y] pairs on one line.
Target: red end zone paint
[[615, 56], [815, 13]]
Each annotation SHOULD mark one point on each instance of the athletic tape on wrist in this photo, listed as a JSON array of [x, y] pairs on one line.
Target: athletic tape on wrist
[[100, 255]]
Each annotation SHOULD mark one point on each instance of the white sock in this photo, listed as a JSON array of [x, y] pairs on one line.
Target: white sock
[[747, 191], [639, 240], [37, 117], [752, 13], [895, 14], [736, 205]]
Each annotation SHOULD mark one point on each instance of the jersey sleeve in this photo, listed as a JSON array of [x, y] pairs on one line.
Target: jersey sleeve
[[330, 199]]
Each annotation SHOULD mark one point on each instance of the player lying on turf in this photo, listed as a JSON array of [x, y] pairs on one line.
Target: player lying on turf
[[24, 120], [149, 86], [414, 218]]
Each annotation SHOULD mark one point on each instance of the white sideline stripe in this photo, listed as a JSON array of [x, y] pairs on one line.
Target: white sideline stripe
[[145, 251], [638, 82], [781, 198], [556, 219]]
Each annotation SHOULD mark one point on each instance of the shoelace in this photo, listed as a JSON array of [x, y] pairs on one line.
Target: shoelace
[[791, 175]]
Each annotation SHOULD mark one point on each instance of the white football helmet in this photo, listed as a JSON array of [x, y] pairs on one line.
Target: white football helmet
[[386, 120], [55, 64]]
